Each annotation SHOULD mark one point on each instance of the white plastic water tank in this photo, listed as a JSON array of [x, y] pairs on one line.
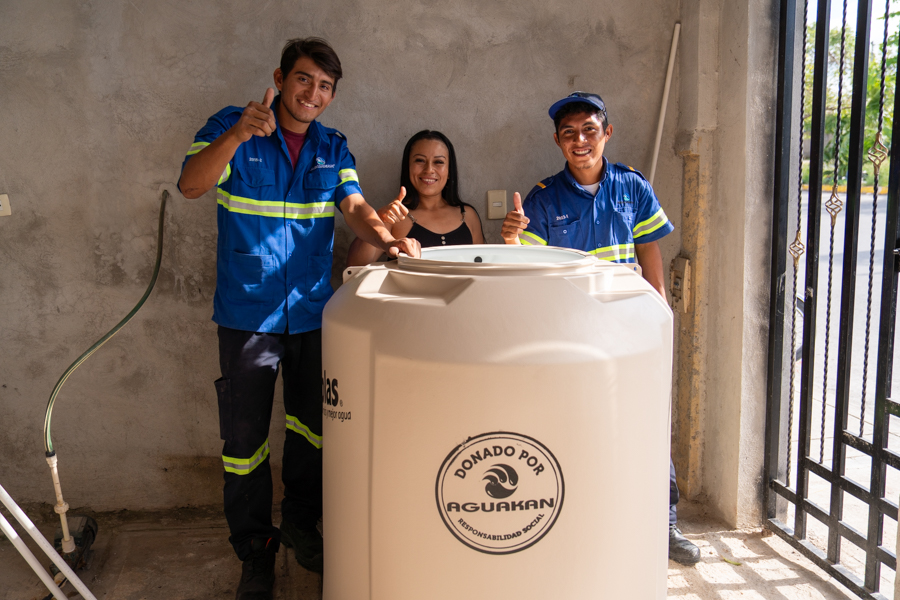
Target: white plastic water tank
[[496, 427]]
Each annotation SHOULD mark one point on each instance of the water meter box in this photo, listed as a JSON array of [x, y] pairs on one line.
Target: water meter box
[[496, 427]]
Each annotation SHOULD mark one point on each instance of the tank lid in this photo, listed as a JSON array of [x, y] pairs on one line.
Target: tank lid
[[484, 259]]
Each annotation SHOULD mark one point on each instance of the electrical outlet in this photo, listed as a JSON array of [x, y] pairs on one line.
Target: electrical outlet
[[680, 277], [4, 205], [496, 201]]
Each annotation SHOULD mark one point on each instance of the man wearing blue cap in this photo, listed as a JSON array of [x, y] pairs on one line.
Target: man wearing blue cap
[[608, 210]]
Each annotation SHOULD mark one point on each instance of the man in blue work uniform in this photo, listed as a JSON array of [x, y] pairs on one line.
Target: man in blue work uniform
[[279, 176], [608, 210]]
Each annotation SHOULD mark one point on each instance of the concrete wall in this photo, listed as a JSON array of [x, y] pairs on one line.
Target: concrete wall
[[100, 100]]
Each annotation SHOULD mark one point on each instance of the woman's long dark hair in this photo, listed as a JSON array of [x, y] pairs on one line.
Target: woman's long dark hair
[[450, 193]]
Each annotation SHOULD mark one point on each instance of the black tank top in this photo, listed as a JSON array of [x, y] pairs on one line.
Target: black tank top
[[460, 235]]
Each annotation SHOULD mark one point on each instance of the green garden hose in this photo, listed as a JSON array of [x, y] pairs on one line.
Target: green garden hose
[[48, 443]]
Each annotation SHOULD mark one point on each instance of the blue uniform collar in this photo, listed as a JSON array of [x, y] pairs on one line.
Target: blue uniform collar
[[570, 179]]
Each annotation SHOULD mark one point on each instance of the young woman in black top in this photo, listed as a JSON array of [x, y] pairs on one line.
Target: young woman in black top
[[428, 207]]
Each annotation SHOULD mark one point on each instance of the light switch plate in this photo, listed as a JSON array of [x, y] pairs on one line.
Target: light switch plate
[[4, 206], [496, 202]]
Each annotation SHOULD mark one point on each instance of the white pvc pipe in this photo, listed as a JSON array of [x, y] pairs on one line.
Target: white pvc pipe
[[10, 533], [665, 101], [51, 553], [68, 544]]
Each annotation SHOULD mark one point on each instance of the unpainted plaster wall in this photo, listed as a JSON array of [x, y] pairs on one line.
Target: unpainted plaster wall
[[100, 102]]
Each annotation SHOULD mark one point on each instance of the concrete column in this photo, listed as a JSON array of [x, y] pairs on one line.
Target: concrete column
[[695, 143], [727, 142]]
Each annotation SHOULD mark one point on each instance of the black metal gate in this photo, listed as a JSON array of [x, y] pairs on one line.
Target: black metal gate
[[832, 461]]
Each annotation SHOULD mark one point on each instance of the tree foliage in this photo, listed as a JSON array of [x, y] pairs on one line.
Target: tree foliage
[[840, 88]]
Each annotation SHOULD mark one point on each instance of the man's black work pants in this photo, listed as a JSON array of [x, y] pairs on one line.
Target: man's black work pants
[[673, 494], [250, 363]]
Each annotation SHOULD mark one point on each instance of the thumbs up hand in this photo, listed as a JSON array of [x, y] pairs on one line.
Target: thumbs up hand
[[268, 98], [257, 119], [395, 211], [515, 221]]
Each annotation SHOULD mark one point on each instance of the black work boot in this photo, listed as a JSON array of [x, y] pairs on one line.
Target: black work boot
[[681, 549], [258, 571], [307, 545]]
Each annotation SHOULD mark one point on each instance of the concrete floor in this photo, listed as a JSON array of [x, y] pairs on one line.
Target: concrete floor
[[179, 554], [746, 564], [184, 554]]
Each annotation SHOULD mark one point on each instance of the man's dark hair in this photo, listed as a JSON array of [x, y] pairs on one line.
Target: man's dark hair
[[450, 193], [575, 108], [318, 50]]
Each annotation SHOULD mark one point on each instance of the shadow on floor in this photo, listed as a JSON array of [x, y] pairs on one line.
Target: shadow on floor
[[747, 564]]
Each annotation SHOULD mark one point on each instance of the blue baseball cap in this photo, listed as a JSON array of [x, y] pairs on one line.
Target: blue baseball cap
[[586, 97]]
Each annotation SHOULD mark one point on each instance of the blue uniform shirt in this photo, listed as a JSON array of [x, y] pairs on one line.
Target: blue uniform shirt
[[276, 226], [624, 212]]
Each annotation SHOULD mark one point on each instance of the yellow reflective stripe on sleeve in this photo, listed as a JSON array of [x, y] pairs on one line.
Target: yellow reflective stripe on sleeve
[[526, 237], [197, 147], [270, 208], [348, 175], [614, 253], [245, 466], [650, 225], [541, 185], [225, 174], [296, 426]]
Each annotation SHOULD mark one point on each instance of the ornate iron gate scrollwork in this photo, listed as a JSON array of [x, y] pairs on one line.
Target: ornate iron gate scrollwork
[[820, 499]]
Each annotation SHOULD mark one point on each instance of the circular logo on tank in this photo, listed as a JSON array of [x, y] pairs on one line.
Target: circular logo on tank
[[500, 492]]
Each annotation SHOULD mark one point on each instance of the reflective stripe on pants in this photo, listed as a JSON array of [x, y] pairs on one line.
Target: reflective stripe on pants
[[250, 362]]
